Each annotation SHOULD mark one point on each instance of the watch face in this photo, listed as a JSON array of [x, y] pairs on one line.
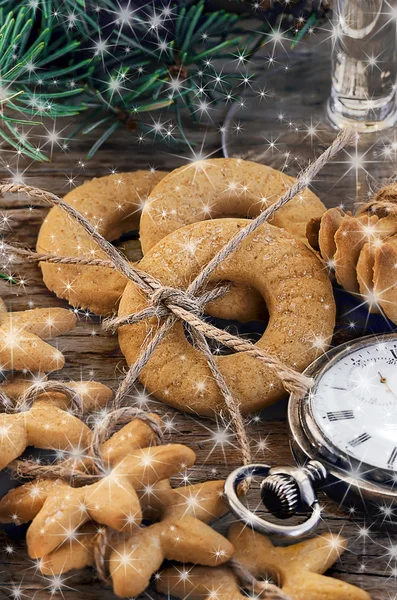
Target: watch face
[[354, 403]]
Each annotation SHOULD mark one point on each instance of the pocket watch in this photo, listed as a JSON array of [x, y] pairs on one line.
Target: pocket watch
[[343, 435]]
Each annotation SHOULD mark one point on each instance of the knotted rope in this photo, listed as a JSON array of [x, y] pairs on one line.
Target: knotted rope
[[174, 304], [101, 549]]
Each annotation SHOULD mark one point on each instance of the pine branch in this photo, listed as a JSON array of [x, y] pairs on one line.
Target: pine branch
[[124, 65]]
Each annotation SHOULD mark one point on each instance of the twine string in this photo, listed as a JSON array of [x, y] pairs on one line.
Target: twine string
[[31, 469], [232, 405], [31, 256], [6, 403], [101, 549], [147, 350], [32, 393]]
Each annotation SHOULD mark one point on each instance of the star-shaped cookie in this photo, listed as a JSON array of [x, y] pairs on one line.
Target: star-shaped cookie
[[23, 334], [299, 568]]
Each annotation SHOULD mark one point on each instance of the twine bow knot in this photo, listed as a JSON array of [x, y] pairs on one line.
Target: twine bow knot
[[165, 296]]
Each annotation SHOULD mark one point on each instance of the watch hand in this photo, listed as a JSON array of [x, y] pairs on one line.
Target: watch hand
[[384, 380]]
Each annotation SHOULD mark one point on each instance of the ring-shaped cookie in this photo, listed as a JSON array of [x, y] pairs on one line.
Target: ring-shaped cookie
[[223, 187], [113, 203], [293, 283]]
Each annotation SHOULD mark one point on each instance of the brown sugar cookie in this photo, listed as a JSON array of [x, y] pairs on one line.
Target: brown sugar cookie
[[72, 554], [298, 568], [313, 231], [43, 426], [298, 296], [365, 273], [47, 323], [180, 533], [223, 187], [350, 238], [113, 204], [385, 278], [386, 227], [330, 222]]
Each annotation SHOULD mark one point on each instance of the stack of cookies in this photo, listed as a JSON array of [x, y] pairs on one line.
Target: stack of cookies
[[361, 249], [187, 216]]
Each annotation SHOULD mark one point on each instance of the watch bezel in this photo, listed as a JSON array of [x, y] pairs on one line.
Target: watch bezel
[[314, 442]]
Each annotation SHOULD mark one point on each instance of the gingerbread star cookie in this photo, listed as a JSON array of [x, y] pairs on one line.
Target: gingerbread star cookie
[[299, 569], [23, 334], [47, 424], [181, 534]]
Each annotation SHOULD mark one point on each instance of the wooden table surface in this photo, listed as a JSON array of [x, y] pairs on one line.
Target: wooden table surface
[[90, 353]]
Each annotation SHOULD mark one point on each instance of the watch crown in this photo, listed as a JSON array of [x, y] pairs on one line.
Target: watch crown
[[280, 495]]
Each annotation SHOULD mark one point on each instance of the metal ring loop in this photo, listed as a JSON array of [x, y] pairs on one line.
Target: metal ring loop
[[259, 524]]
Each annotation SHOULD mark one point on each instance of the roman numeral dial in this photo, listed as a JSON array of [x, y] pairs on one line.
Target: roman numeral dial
[[354, 406]]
